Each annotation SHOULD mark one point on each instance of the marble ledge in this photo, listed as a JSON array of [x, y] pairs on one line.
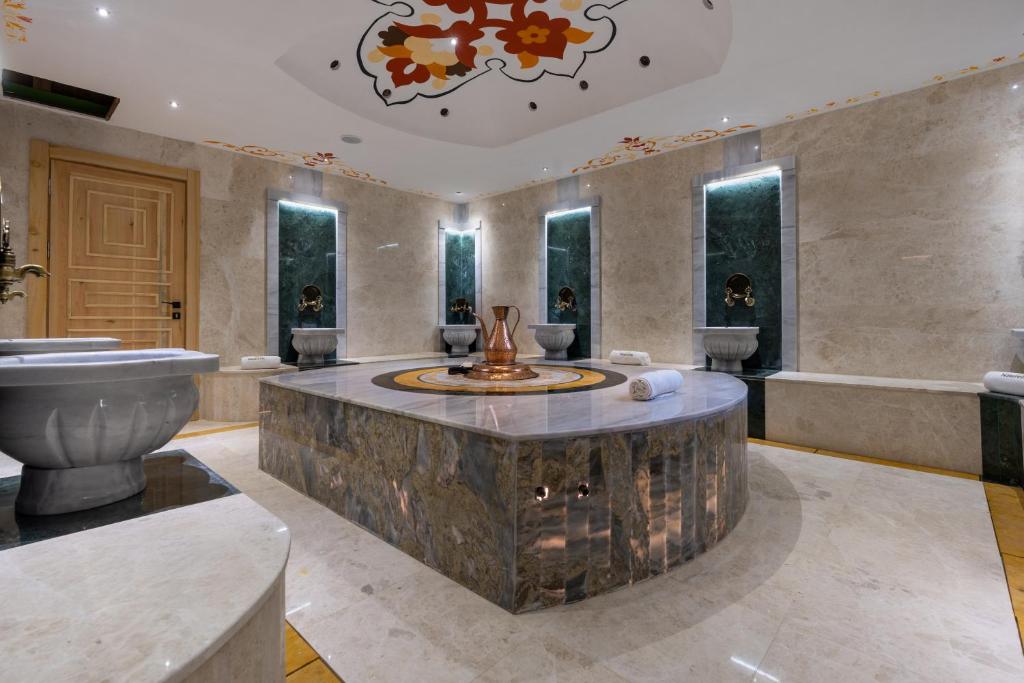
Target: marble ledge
[[527, 416], [160, 598], [869, 382]]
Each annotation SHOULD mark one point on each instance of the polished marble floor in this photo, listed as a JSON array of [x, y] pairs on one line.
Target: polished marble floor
[[841, 570]]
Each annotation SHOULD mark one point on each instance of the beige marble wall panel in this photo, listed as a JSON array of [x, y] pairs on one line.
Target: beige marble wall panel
[[912, 230], [392, 298], [937, 429]]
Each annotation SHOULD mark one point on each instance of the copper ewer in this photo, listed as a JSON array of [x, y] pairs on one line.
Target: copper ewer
[[500, 349]]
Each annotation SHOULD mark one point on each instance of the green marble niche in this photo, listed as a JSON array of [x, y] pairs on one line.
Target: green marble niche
[[743, 234], [308, 239], [568, 247], [459, 274]]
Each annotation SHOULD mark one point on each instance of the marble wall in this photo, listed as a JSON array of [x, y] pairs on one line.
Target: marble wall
[[392, 290], [911, 235]]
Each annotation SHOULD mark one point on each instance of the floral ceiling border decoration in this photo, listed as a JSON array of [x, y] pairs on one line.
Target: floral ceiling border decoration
[[633, 148], [832, 105], [325, 161], [15, 21], [444, 44]]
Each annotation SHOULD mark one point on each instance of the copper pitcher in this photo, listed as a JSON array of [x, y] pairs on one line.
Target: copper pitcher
[[499, 345]]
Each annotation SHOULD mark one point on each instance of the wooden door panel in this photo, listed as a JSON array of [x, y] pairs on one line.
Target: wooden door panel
[[117, 254]]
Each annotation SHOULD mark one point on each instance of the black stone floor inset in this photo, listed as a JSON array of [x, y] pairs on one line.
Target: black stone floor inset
[[173, 479]]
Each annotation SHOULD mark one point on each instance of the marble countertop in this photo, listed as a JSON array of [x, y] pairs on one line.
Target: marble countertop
[[145, 600], [940, 386], [527, 416]]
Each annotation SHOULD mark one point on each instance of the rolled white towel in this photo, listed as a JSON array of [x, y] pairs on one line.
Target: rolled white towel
[[1005, 383], [630, 357], [260, 362], [654, 383]]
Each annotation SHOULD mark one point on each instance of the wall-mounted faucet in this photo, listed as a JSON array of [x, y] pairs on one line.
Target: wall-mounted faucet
[[460, 305], [566, 299], [11, 274], [311, 298], [739, 288]]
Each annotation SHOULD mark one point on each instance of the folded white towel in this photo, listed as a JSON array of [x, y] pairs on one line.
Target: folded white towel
[[260, 362], [630, 357], [1005, 383], [654, 383]]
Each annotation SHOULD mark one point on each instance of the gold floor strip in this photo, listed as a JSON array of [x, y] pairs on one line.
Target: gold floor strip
[[302, 663], [868, 459], [1006, 505], [216, 430]]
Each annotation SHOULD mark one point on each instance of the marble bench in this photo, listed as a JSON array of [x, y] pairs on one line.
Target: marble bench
[[233, 394], [921, 422]]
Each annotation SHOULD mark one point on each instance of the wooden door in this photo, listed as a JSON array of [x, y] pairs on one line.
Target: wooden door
[[117, 256]]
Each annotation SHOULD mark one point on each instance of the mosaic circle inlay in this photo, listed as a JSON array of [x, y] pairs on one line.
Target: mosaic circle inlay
[[550, 379]]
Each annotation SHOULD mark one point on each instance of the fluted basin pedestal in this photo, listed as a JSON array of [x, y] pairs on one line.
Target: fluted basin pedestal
[[729, 346], [554, 338], [80, 422], [313, 343], [459, 337]]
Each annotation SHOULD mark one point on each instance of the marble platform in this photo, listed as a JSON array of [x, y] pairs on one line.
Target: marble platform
[[193, 594], [529, 501]]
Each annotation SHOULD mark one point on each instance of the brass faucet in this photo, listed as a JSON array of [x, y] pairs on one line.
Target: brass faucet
[[11, 274]]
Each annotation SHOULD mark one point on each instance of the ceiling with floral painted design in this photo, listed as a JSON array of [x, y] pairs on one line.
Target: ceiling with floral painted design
[[465, 98]]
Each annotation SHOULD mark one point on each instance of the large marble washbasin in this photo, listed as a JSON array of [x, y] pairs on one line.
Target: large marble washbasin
[[81, 422], [21, 347]]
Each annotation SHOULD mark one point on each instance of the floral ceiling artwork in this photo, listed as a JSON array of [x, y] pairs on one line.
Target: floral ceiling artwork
[[445, 44], [15, 21], [633, 148], [325, 161]]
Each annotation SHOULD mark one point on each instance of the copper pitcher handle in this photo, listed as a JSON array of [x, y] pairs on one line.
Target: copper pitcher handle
[[519, 316]]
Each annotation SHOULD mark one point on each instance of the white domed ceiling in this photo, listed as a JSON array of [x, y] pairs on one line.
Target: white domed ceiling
[[490, 72], [610, 81]]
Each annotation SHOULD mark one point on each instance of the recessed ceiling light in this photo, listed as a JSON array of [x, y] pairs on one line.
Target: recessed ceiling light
[[725, 119], [588, 185], [174, 104], [103, 12], [545, 169], [757, 146], [458, 192], [1015, 86], [455, 41], [351, 139]]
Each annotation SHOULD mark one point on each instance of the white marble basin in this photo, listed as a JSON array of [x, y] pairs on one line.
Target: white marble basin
[[21, 347], [729, 346], [313, 343], [459, 337], [554, 338], [81, 422]]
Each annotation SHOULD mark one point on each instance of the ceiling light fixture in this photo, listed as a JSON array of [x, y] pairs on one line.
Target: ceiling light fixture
[[458, 192], [174, 104], [1015, 86], [455, 41], [351, 139], [725, 119], [709, 4], [545, 169], [335, 64], [103, 12], [645, 61]]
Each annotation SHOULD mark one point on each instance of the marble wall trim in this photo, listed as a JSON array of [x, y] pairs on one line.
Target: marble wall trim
[[525, 524], [787, 167], [594, 204], [273, 256]]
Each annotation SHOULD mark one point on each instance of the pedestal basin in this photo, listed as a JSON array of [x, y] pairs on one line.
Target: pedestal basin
[[459, 337], [313, 343], [729, 346], [21, 347], [554, 338], [81, 422]]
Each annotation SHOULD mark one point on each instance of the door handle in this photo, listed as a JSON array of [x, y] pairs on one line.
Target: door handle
[[174, 304]]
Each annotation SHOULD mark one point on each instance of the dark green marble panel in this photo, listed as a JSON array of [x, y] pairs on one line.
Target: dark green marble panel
[[569, 266], [459, 274], [743, 222], [1002, 443], [308, 239]]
